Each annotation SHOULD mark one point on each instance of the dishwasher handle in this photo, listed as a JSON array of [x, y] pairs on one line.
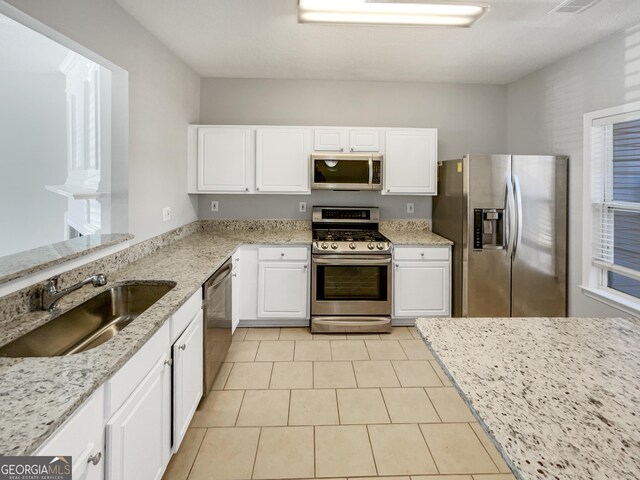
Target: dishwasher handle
[[220, 276]]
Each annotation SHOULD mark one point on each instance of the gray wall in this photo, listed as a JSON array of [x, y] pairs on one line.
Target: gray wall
[[164, 97], [468, 118], [33, 108], [545, 115]]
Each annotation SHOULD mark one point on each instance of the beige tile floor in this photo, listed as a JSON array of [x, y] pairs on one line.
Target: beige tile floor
[[289, 404]]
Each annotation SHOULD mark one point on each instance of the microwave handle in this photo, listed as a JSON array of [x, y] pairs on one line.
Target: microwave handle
[[370, 171]]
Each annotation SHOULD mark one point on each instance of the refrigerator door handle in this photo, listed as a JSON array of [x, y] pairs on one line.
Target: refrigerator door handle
[[518, 195], [510, 213]]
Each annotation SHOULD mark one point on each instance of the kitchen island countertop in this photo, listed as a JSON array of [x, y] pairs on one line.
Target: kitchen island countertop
[[559, 396]]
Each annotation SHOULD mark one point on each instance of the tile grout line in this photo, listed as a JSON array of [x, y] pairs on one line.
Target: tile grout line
[[384, 400], [196, 455], [235, 423], [433, 459], [431, 403], [485, 448], [373, 455], [255, 458]]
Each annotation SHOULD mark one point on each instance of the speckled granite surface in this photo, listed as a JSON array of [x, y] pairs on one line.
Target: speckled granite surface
[[24, 263], [38, 394], [559, 396], [411, 232]]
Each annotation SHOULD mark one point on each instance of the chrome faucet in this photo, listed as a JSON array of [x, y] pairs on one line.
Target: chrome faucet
[[51, 295]]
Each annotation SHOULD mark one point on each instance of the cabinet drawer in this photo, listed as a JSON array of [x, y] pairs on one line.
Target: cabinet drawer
[[185, 314], [288, 253], [421, 253], [124, 382]]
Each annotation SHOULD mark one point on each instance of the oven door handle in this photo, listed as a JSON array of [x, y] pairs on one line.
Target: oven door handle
[[352, 260]]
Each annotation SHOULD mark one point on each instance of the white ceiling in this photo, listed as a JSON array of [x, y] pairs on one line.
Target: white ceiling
[[262, 39], [24, 51]]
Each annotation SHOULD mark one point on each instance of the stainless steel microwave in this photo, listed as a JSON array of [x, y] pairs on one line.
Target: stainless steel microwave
[[346, 171]]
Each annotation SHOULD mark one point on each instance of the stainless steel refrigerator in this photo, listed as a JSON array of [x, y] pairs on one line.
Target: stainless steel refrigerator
[[507, 217]]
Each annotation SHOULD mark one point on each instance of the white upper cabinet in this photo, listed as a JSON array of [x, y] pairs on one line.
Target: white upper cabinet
[[282, 160], [346, 140], [331, 139], [364, 140], [225, 157], [410, 164]]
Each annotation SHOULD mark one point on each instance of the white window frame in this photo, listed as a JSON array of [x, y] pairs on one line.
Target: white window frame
[[594, 278]]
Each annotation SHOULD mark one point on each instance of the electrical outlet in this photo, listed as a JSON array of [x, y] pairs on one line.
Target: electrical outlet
[[411, 208], [214, 206], [166, 214], [303, 207]]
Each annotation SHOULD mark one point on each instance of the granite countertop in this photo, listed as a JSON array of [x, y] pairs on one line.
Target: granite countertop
[[24, 263], [411, 232], [39, 394], [559, 396]]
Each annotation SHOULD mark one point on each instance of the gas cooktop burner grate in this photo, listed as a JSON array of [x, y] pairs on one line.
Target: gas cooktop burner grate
[[348, 236]]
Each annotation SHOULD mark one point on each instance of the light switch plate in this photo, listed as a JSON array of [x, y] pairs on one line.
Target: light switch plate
[[166, 214], [302, 207], [411, 207], [214, 206]]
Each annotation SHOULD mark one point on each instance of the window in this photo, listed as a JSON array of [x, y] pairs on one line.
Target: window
[[612, 212]]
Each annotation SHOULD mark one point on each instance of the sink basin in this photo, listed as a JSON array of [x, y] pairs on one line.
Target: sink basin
[[89, 324]]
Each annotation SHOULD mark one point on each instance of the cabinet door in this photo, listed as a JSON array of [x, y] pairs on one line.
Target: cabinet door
[[224, 158], [422, 289], [410, 163], [330, 139], [139, 433], [187, 378], [282, 160], [82, 438], [364, 140], [283, 289]]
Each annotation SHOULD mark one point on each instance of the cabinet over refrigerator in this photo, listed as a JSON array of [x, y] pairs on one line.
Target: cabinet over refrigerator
[[507, 217]]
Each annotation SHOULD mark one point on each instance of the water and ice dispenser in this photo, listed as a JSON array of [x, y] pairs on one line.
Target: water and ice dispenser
[[488, 229]]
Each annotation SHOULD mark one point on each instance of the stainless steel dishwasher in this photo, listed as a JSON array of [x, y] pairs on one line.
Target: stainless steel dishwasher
[[217, 322]]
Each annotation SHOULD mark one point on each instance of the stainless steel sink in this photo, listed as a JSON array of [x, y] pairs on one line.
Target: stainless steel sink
[[89, 324]]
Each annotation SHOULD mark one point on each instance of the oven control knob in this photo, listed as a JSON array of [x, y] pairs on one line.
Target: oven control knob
[[352, 246], [324, 245], [334, 245], [371, 246], [380, 246]]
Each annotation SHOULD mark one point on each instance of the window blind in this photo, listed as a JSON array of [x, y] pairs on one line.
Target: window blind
[[616, 203]]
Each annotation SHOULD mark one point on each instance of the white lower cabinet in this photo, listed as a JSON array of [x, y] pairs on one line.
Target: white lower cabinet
[[272, 285], [139, 434], [82, 438], [422, 283], [187, 378]]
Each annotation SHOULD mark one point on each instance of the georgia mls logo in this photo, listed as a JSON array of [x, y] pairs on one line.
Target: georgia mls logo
[[35, 468]]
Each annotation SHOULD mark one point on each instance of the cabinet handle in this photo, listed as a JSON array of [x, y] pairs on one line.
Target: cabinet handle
[[95, 458], [397, 266], [352, 149], [183, 346], [246, 189], [234, 274], [342, 149], [305, 267], [282, 254], [168, 362], [388, 190]]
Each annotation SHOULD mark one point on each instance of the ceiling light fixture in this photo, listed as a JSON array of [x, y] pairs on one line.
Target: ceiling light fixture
[[390, 12]]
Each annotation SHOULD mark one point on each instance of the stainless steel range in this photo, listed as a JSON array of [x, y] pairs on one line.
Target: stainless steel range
[[351, 271]]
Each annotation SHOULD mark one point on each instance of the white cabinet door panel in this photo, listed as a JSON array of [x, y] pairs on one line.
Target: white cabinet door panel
[[422, 289], [187, 378], [139, 434], [283, 290], [224, 157], [330, 139], [282, 160], [364, 140], [411, 161]]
